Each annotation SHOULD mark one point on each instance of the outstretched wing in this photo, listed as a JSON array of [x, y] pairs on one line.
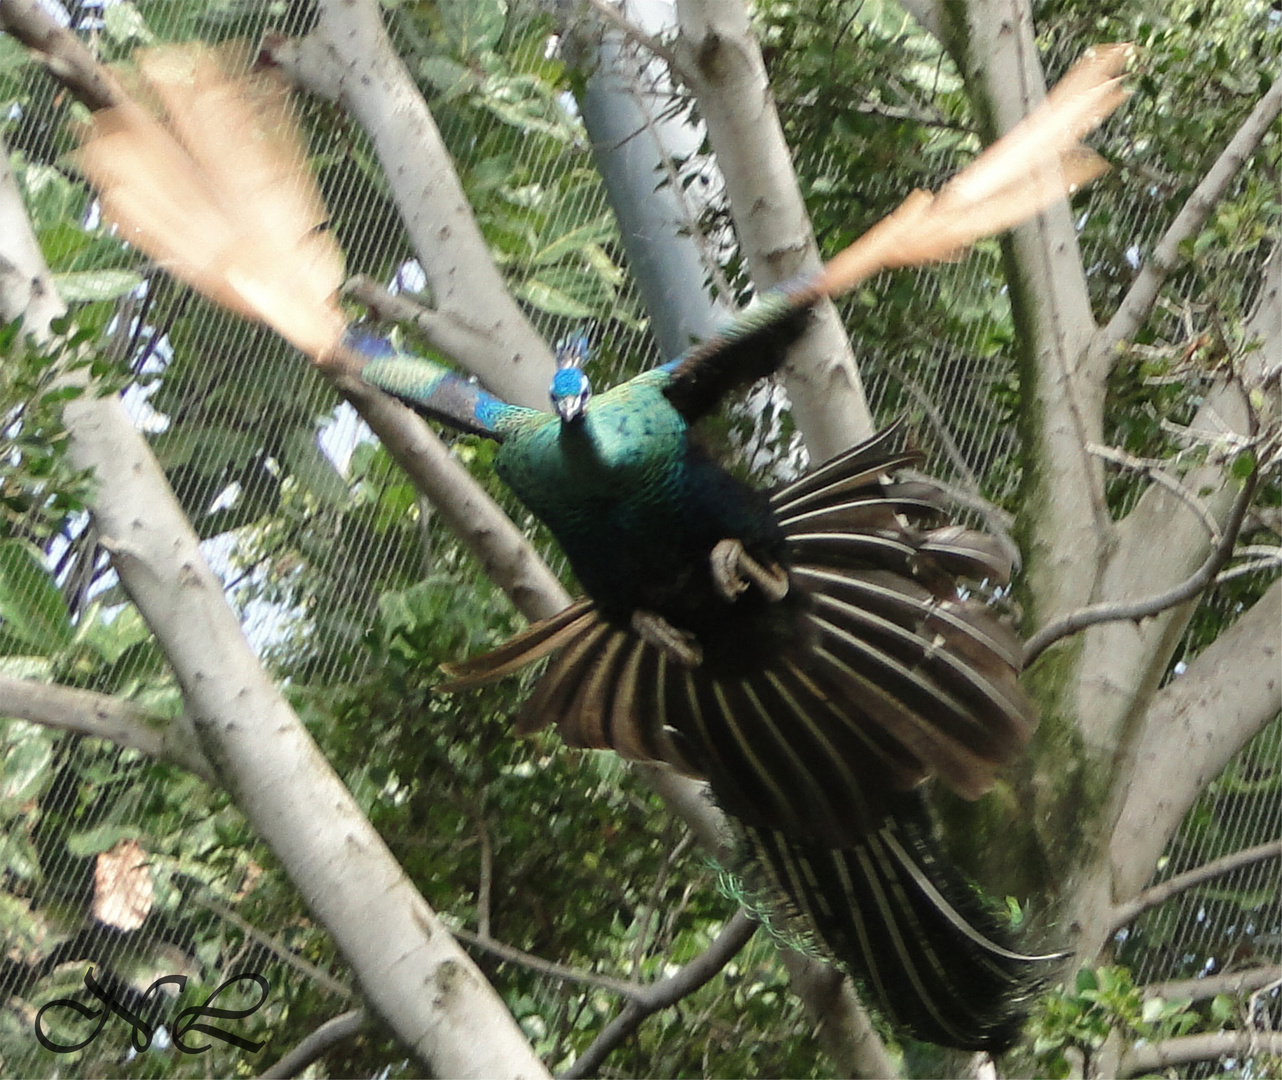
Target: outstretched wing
[[219, 193], [1036, 163], [434, 391]]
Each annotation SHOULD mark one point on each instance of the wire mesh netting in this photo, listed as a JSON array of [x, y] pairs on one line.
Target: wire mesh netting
[[141, 870]]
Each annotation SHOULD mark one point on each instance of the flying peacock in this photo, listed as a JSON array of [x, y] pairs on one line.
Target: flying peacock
[[806, 650]]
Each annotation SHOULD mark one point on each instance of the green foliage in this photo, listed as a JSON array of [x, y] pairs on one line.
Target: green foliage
[[1104, 1001]]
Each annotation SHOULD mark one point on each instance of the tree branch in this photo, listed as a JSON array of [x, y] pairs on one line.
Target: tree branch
[[286, 955], [334, 1031], [1068, 525], [633, 33], [1183, 1049], [349, 58], [734, 935], [728, 77], [101, 716], [1124, 914], [60, 51], [553, 970], [393, 940], [1156, 471], [1117, 611], [1231, 983], [1195, 725], [1139, 299]]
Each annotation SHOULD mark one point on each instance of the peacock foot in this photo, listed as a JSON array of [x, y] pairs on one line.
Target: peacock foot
[[676, 644], [733, 570]]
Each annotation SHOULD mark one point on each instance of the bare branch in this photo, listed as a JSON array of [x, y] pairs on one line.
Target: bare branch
[[844, 1028], [1150, 1057], [1195, 725], [1156, 471], [1230, 983], [927, 13], [304, 967], [101, 716], [444, 330], [513, 955], [1116, 611], [393, 940], [349, 58], [1067, 539], [1124, 914], [334, 1031], [60, 51], [1137, 303], [728, 77], [734, 935], [637, 36]]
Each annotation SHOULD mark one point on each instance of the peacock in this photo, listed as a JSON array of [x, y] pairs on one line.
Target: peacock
[[808, 650]]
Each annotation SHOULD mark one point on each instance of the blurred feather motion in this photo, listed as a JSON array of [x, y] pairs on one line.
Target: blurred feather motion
[[807, 651]]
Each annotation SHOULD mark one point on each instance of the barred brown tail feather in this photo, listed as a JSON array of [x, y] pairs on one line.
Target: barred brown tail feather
[[927, 948], [889, 678]]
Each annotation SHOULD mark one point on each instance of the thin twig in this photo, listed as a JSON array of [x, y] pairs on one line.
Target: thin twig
[[1139, 299], [485, 884], [1124, 914], [1117, 611], [1230, 984], [734, 935], [1253, 1002], [1152, 1057], [323, 978], [635, 34], [1156, 471], [333, 1031], [632, 991], [64, 54]]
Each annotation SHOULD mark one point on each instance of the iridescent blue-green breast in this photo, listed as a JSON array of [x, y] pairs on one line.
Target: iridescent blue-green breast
[[636, 508]]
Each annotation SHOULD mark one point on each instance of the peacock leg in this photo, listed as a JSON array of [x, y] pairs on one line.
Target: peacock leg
[[733, 570], [676, 644]]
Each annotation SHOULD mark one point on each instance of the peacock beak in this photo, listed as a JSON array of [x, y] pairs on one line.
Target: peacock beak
[[570, 408]]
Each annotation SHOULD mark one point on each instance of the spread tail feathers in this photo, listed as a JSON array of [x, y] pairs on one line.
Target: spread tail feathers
[[909, 927], [890, 678], [219, 194]]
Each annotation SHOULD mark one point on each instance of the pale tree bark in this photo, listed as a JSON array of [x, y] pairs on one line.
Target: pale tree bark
[[718, 51], [102, 716], [1096, 690], [348, 58], [1066, 525], [410, 969]]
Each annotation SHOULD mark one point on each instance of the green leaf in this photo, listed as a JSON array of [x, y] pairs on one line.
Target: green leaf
[[553, 301], [102, 838], [1222, 1009], [1152, 1010], [124, 23], [31, 606], [311, 468], [1243, 465], [89, 285], [26, 764], [449, 78], [572, 241], [473, 25]]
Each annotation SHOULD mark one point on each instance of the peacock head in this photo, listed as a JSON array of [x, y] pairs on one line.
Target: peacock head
[[570, 387]]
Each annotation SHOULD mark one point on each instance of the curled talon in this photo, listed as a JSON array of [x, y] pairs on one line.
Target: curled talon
[[677, 644], [733, 570]]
